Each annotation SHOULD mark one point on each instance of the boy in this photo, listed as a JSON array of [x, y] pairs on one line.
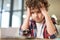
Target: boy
[[41, 25]]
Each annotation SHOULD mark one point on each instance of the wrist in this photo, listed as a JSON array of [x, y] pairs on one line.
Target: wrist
[[46, 15], [27, 17]]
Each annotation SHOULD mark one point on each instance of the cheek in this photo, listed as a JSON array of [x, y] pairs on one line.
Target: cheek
[[33, 17], [40, 15]]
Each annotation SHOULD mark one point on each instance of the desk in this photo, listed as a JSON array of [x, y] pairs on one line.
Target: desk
[[26, 39]]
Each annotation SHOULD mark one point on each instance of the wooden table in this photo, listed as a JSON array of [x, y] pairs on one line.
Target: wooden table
[[26, 39]]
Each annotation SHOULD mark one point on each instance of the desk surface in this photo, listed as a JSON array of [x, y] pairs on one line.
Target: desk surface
[[26, 39]]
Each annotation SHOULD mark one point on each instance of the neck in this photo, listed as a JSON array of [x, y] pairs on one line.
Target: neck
[[41, 22]]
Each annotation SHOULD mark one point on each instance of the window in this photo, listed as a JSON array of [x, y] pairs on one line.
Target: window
[[5, 14], [0, 19], [5, 20], [17, 4], [0, 4], [16, 19], [6, 11], [6, 5]]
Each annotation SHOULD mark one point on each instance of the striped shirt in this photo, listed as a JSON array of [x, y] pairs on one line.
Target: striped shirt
[[33, 31]]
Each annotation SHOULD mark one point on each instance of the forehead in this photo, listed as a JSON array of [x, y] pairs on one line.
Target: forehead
[[34, 10]]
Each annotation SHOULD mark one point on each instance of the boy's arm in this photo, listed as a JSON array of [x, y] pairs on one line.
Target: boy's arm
[[26, 21], [50, 26]]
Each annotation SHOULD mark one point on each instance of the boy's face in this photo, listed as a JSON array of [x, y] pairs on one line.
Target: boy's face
[[37, 15]]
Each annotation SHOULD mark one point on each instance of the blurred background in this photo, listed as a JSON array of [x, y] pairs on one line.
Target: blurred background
[[13, 12]]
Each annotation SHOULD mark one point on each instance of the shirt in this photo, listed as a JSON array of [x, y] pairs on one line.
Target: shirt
[[39, 30], [42, 34]]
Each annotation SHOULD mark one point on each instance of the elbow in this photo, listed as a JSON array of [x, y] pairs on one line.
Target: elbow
[[23, 28], [51, 33]]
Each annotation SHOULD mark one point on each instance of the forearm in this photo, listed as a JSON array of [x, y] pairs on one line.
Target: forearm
[[25, 23], [50, 26]]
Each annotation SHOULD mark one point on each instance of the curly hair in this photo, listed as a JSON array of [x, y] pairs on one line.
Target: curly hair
[[36, 3]]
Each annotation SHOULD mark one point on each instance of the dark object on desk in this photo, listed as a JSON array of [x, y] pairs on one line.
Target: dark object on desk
[[26, 32]]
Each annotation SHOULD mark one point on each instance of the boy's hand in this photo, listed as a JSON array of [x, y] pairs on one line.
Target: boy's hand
[[28, 12], [43, 11], [25, 25]]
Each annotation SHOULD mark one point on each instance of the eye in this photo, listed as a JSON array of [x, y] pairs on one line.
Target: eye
[[32, 12], [38, 11]]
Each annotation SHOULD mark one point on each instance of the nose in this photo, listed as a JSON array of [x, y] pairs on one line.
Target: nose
[[36, 15]]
